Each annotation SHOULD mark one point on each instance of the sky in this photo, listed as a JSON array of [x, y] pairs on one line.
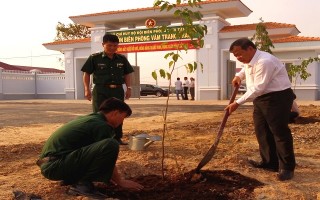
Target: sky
[[26, 25]]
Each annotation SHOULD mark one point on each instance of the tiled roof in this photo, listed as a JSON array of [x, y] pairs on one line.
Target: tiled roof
[[248, 27], [296, 39], [84, 40], [143, 9], [6, 66]]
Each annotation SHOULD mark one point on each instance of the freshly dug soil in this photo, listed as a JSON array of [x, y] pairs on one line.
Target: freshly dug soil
[[220, 184]]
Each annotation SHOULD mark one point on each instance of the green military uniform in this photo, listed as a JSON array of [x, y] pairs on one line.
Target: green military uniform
[[107, 72], [81, 150]]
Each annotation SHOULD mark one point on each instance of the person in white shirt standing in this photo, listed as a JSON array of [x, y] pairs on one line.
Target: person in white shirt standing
[[185, 85], [269, 87], [178, 87]]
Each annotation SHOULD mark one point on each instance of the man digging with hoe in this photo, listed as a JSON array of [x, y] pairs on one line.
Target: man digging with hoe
[[269, 87]]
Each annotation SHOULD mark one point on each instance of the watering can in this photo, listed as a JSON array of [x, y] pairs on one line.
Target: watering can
[[142, 141]]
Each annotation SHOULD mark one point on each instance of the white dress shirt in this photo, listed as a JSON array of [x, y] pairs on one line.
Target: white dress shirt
[[264, 74], [185, 83]]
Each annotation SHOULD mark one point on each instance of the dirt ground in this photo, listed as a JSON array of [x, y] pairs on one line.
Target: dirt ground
[[192, 127]]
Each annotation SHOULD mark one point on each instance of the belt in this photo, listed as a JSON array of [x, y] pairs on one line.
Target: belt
[[113, 86], [274, 93], [44, 160]]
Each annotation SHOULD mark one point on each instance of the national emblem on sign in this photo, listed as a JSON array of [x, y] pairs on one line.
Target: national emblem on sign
[[150, 23]]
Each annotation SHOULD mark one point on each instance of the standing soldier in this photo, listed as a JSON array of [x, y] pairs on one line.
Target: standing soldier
[[110, 71]]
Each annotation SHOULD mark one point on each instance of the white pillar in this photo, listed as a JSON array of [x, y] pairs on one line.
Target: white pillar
[[69, 73], [209, 82]]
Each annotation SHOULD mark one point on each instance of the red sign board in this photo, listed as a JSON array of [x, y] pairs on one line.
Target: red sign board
[[153, 46]]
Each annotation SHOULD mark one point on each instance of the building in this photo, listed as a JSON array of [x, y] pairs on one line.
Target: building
[[19, 68], [214, 82]]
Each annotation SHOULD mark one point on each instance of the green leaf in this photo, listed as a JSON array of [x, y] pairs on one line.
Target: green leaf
[[169, 7], [163, 7], [185, 47], [175, 57], [156, 3], [201, 43], [171, 63], [168, 76], [167, 55], [190, 68], [154, 75], [195, 65], [162, 73], [177, 12]]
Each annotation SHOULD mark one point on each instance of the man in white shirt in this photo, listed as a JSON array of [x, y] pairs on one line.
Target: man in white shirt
[[178, 85], [185, 85], [269, 87]]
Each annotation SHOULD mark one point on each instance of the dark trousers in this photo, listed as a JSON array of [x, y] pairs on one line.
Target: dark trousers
[[293, 116], [185, 93], [271, 118], [99, 94], [94, 162], [192, 93]]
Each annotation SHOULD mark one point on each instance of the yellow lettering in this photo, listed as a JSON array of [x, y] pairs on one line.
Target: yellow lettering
[[155, 37], [128, 39], [142, 38], [169, 36]]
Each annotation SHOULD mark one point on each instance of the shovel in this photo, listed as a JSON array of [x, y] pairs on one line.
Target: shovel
[[213, 148]]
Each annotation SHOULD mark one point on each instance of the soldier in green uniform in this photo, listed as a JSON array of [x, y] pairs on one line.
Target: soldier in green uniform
[[110, 71], [84, 150]]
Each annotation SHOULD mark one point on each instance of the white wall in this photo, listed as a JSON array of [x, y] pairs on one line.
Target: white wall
[[27, 85]]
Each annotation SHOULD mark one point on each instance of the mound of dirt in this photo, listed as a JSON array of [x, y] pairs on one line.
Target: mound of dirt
[[220, 184]]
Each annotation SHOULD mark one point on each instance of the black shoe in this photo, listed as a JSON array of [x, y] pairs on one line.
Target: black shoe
[[285, 175], [121, 142], [262, 165], [85, 189], [65, 183]]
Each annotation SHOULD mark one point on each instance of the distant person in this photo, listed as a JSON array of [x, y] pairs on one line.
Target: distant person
[[84, 151], [295, 112], [191, 87], [185, 85], [269, 86], [110, 71], [178, 88]]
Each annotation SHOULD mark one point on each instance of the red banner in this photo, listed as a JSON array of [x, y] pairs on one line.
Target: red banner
[[154, 46]]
